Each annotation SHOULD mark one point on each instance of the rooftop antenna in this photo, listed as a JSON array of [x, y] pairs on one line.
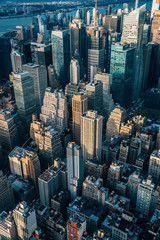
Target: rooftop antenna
[[136, 4]]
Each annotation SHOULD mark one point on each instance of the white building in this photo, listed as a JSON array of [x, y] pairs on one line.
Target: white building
[[75, 168], [146, 197], [91, 135], [74, 71]]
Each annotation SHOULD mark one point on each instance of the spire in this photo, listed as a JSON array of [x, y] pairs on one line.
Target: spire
[[136, 4]]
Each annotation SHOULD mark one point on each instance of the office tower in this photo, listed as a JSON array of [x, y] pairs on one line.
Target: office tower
[[112, 38], [146, 142], [147, 51], [74, 71], [24, 95], [112, 22], [93, 189], [44, 55], [91, 135], [6, 194], [8, 131], [21, 32], [133, 24], [5, 60], [122, 72], [17, 59], [26, 50], [158, 140], [25, 164], [54, 111], [42, 23], [76, 226], [115, 119], [115, 172], [155, 6], [49, 144], [95, 58], [77, 36], [146, 197], [155, 31], [154, 166], [134, 150], [7, 226], [96, 45], [25, 219], [75, 169], [61, 55], [94, 92], [52, 181], [52, 78], [108, 103], [154, 72], [39, 75], [60, 201], [124, 151], [79, 106], [132, 187], [88, 18]]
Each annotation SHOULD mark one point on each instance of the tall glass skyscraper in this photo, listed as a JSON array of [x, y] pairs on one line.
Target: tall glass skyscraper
[[61, 54], [122, 72], [133, 24]]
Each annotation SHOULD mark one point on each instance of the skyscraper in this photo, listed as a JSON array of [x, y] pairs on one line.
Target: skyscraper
[[6, 194], [77, 36], [91, 135], [49, 144], [95, 96], [154, 166], [25, 164], [122, 72], [52, 181], [74, 71], [79, 106], [146, 197], [17, 59], [155, 30], [44, 55], [54, 111], [61, 54], [5, 60], [155, 6], [108, 103], [25, 219], [75, 168], [7, 226], [95, 58], [96, 44], [52, 78], [133, 24], [39, 75], [8, 131], [24, 95]]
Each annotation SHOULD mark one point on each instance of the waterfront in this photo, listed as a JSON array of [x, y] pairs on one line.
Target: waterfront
[[9, 24]]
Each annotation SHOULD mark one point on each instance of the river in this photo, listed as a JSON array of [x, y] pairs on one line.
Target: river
[[9, 24]]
